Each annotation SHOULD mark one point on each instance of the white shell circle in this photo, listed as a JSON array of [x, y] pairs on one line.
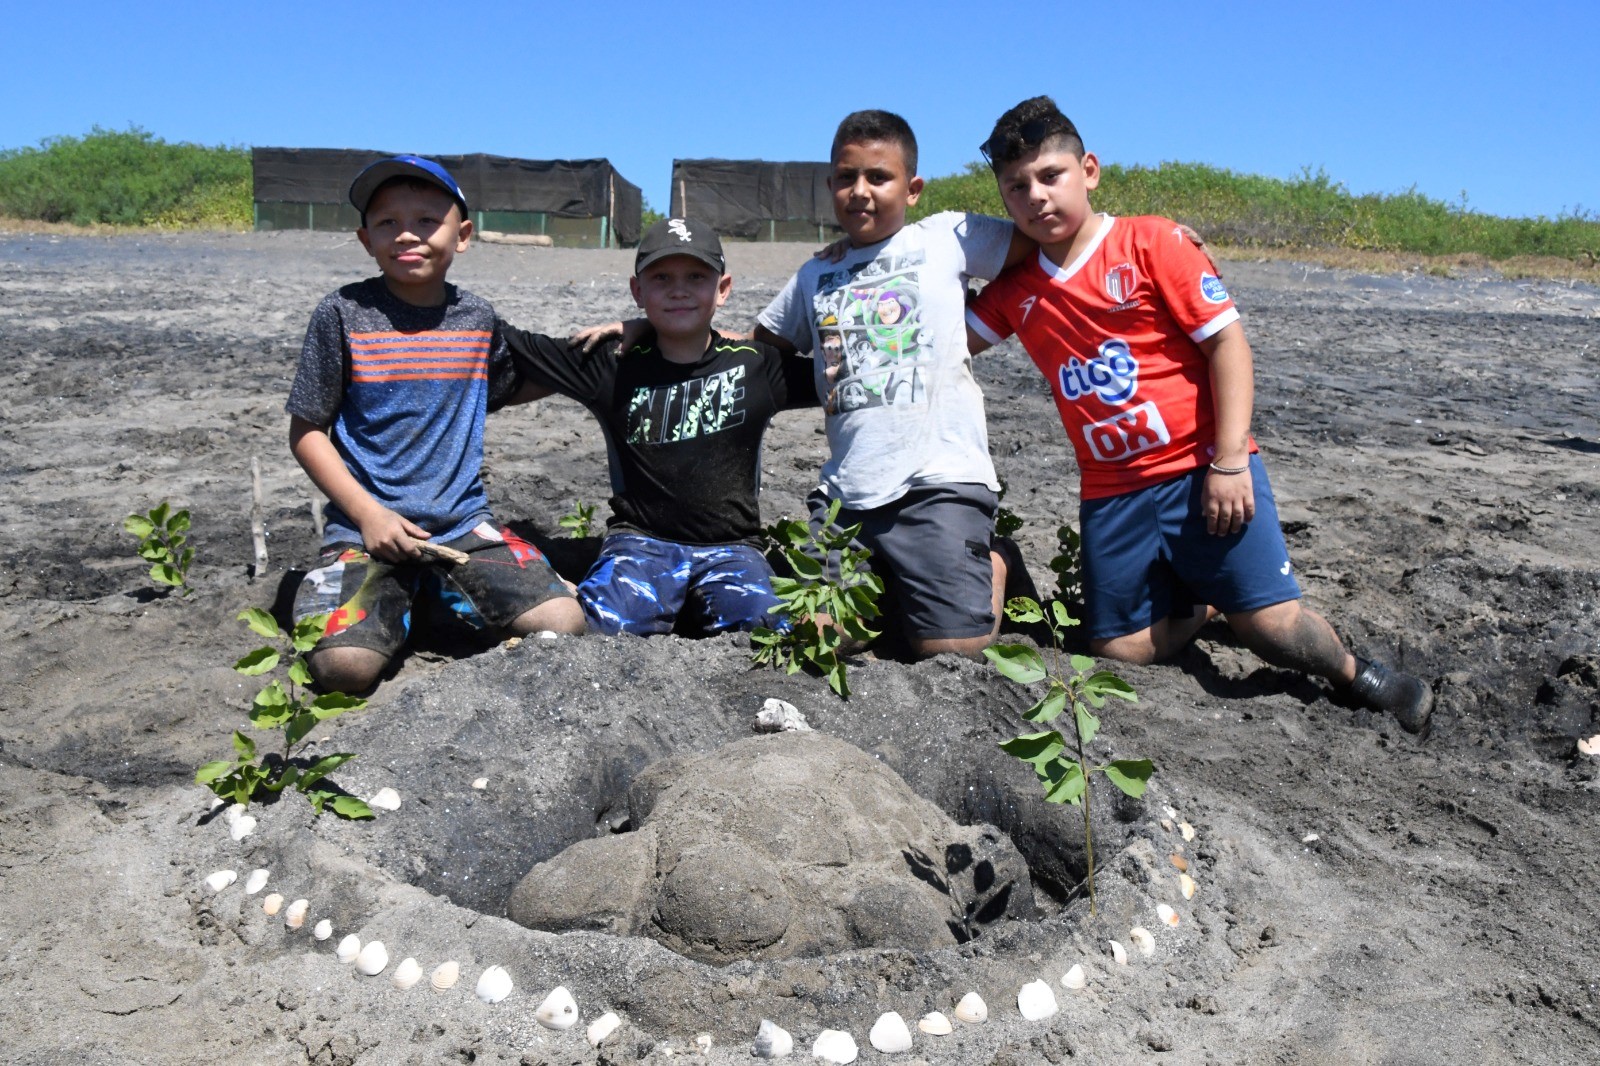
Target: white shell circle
[[243, 827], [256, 881], [934, 1023], [772, 1041], [558, 1011], [373, 959], [1118, 952], [972, 1009], [834, 1045], [385, 799], [295, 916], [271, 905], [889, 1034], [1075, 978], [481, 783], [1167, 914], [406, 975], [322, 930], [348, 949], [494, 984], [1186, 883], [601, 1028], [445, 975], [1035, 1001], [221, 880], [1187, 830]]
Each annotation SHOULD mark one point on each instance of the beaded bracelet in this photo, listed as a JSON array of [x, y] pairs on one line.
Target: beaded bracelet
[[1230, 469]]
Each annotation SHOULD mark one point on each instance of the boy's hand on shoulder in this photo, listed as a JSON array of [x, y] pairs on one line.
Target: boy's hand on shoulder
[[392, 538], [1228, 501], [627, 334], [833, 252], [1199, 242]]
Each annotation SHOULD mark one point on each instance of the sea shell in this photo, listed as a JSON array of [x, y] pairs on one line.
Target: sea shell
[[1035, 1001], [558, 1011], [772, 1041], [494, 984], [256, 881], [243, 827], [1310, 838], [935, 1023], [778, 716], [889, 1034], [1187, 830], [1179, 862], [1170, 811], [601, 1028], [1186, 884], [348, 949], [221, 880], [270, 905], [445, 975], [1167, 914], [1118, 952], [833, 1045], [294, 916], [481, 783], [233, 813], [1142, 940], [373, 959], [322, 930], [385, 799], [972, 1009], [703, 1041], [1590, 746], [406, 975]]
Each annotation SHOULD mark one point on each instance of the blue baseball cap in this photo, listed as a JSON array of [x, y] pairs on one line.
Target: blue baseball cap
[[403, 166]]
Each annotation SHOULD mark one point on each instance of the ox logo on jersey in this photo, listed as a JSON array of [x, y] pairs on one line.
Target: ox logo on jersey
[[1211, 288], [1027, 305], [1113, 375], [1120, 281], [1127, 434]]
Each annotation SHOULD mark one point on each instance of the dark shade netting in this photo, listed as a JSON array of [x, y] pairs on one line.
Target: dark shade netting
[[565, 188], [740, 196]]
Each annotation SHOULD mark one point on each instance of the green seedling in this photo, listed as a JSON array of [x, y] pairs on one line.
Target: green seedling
[[283, 705], [579, 522], [1068, 565], [164, 543], [1076, 688], [1006, 521], [823, 610]]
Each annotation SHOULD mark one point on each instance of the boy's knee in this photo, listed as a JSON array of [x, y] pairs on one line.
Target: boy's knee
[[348, 670], [562, 614], [971, 647], [1132, 648]]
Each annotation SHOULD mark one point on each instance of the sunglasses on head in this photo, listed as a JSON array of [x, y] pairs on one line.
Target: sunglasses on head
[[1032, 134]]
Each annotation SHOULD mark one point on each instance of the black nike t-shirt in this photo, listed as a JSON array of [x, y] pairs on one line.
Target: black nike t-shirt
[[683, 439]]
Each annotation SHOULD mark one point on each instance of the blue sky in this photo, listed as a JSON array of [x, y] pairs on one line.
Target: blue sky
[[1500, 101]]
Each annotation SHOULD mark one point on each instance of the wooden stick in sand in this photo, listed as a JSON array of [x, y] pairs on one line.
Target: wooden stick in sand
[[258, 528]]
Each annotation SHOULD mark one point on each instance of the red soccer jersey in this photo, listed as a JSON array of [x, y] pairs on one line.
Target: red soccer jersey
[[1116, 332]]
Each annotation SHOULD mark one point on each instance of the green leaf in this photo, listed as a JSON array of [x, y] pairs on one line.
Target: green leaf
[[261, 622], [1062, 616], [322, 768], [273, 695], [1006, 522], [1035, 748], [1024, 610], [1104, 683], [299, 672], [166, 574], [806, 568], [211, 771], [1088, 725], [335, 703], [154, 552], [1054, 702], [244, 745], [1131, 775], [1065, 783], [318, 796], [138, 525], [257, 662], [307, 631], [178, 523], [158, 513], [1082, 663], [351, 807], [298, 727], [1019, 662], [284, 780]]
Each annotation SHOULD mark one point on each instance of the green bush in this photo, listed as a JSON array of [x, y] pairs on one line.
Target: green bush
[[126, 178], [1310, 210]]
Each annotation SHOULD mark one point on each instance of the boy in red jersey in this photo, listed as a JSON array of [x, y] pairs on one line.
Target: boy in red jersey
[[1154, 382]]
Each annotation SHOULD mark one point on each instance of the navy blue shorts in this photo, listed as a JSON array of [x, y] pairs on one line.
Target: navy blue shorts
[[640, 584], [1147, 555]]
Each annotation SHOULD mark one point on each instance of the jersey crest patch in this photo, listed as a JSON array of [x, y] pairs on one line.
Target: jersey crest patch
[[1120, 282], [1212, 289]]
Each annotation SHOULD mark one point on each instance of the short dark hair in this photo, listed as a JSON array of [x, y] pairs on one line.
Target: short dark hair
[[860, 127], [1027, 127]]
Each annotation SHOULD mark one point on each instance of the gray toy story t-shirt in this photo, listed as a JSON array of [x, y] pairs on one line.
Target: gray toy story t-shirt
[[886, 328]]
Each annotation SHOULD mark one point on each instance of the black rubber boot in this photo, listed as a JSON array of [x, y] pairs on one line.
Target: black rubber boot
[[1408, 698]]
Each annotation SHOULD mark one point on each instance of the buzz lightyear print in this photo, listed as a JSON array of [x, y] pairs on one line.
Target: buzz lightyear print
[[873, 344]]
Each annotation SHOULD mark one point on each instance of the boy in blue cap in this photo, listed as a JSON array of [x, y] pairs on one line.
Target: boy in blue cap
[[386, 417]]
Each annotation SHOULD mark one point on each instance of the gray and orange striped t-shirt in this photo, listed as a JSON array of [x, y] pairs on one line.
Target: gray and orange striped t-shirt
[[402, 391]]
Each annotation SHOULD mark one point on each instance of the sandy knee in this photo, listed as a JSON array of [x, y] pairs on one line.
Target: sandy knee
[[346, 669], [559, 615]]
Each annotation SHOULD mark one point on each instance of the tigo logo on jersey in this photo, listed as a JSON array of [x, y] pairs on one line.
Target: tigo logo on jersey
[[1112, 375], [1120, 282], [1127, 434], [1212, 289]]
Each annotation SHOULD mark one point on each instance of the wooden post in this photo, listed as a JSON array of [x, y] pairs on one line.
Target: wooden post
[[258, 528]]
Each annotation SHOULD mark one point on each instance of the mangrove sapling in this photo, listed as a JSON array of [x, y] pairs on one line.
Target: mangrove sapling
[[164, 543], [283, 704], [1075, 686], [1067, 565], [843, 600], [579, 522]]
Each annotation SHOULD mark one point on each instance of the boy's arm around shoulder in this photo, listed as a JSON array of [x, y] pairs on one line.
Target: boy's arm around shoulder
[[385, 534], [550, 365]]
